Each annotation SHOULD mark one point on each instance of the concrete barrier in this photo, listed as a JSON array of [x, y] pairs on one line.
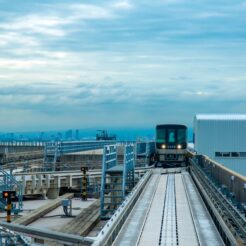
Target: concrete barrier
[[233, 181]]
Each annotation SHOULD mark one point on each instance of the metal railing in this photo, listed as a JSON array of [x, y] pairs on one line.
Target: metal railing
[[59, 148], [9, 182], [22, 143], [234, 220], [10, 238], [109, 161], [128, 169]]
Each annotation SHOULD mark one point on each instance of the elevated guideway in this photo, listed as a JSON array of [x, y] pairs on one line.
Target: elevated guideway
[[174, 214], [136, 219]]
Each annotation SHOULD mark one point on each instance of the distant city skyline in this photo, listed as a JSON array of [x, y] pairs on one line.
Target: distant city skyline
[[78, 134], [119, 63], [84, 134]]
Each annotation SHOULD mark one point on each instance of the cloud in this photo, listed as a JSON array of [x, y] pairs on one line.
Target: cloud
[[210, 15], [47, 25], [171, 1], [123, 5], [124, 59], [22, 64], [89, 12], [12, 38], [54, 25]]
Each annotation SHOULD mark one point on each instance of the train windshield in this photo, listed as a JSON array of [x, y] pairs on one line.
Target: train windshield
[[181, 136], [160, 135], [171, 135]]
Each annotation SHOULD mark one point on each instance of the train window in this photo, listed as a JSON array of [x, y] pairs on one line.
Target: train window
[[171, 135], [181, 135], [160, 135]]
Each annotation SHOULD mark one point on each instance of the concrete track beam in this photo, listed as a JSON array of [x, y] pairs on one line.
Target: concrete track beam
[[39, 212]]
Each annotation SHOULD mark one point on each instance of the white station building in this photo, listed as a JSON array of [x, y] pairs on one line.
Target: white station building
[[222, 138]]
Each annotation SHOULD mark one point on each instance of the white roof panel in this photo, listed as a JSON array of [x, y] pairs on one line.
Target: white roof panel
[[220, 116]]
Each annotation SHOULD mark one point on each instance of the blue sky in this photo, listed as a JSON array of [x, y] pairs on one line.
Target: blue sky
[[79, 64]]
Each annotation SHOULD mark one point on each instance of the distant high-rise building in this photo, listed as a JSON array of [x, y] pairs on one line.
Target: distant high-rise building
[[77, 134], [69, 135], [59, 136], [11, 136], [103, 135], [41, 136]]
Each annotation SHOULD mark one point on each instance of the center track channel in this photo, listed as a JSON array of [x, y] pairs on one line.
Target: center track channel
[[169, 230], [187, 232]]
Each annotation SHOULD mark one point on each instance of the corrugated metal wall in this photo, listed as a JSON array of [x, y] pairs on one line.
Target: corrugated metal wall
[[222, 136]]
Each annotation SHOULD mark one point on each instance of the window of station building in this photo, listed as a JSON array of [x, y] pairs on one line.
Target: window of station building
[[235, 154], [222, 154], [218, 154], [242, 154], [226, 154], [230, 154]]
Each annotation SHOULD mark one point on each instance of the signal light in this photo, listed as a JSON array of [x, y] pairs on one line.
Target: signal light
[[163, 146], [5, 194], [179, 146], [84, 169], [9, 194]]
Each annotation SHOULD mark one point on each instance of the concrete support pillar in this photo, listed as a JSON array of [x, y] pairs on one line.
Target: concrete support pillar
[[53, 193], [57, 182], [47, 181], [39, 184], [69, 181], [33, 182], [23, 179]]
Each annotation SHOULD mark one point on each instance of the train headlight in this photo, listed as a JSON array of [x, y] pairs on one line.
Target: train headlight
[[163, 146], [179, 146]]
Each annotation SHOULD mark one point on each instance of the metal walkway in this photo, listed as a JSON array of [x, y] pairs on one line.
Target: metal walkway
[[170, 212]]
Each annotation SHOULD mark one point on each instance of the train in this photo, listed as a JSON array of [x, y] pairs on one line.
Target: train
[[171, 145]]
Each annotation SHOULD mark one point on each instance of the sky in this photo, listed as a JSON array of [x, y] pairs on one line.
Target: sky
[[121, 63]]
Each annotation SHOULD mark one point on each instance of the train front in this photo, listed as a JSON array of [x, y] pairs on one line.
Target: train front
[[171, 144]]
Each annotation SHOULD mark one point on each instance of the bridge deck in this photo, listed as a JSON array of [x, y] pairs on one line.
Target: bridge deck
[[170, 212]]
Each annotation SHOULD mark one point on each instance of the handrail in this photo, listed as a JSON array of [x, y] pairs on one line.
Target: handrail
[[236, 220]]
